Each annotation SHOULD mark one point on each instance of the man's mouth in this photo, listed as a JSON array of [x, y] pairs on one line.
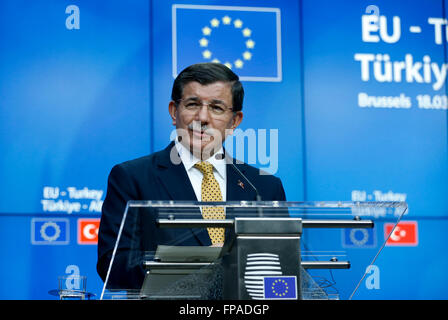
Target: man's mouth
[[199, 131], [200, 134]]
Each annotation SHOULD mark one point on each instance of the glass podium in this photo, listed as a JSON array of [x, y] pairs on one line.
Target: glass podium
[[272, 250]]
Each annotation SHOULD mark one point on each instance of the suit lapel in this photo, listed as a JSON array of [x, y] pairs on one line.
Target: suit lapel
[[173, 176], [238, 188], [174, 179]]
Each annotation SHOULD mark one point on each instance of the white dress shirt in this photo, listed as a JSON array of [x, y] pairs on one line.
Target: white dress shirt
[[195, 175]]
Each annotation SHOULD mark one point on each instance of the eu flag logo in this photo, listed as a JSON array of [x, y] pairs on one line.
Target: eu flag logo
[[50, 231], [283, 287], [359, 238], [245, 39]]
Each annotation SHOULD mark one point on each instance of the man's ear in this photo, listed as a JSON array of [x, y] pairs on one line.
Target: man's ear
[[172, 109], [237, 118]]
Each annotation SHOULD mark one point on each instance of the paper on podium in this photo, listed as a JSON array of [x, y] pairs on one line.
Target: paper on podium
[[187, 253]]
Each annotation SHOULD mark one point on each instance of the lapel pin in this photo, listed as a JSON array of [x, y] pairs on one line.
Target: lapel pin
[[241, 184]]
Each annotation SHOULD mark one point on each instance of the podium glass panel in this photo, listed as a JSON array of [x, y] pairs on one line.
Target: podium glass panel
[[272, 250]]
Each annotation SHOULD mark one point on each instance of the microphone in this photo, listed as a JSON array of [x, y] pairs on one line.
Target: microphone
[[229, 161]]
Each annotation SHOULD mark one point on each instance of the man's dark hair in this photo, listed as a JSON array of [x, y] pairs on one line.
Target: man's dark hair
[[208, 73]]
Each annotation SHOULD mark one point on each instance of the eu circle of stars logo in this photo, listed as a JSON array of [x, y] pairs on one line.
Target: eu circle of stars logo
[[280, 288], [227, 24]]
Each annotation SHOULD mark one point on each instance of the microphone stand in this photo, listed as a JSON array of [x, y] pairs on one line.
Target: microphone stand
[[258, 197]]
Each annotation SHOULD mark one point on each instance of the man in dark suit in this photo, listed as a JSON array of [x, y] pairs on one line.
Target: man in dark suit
[[205, 108]]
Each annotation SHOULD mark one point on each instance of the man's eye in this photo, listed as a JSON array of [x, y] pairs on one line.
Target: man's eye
[[192, 105], [217, 108]]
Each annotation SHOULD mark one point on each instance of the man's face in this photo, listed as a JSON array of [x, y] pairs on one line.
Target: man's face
[[204, 116]]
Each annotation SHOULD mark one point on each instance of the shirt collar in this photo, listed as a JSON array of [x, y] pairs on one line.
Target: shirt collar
[[189, 160]]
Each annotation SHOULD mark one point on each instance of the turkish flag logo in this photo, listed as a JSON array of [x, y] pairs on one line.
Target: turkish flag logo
[[88, 231], [404, 234]]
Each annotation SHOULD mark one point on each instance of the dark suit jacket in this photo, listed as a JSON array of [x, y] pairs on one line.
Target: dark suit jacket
[[155, 177]]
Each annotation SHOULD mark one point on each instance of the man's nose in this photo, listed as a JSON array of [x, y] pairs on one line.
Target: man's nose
[[203, 115]]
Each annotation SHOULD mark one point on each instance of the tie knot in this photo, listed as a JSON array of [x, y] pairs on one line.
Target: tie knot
[[205, 167]]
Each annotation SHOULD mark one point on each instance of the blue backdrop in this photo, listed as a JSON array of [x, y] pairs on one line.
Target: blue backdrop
[[357, 94]]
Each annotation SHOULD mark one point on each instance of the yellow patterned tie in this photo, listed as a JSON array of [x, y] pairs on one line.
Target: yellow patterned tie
[[211, 192]]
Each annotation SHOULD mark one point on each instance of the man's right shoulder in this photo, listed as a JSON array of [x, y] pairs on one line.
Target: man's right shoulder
[[143, 163], [137, 162]]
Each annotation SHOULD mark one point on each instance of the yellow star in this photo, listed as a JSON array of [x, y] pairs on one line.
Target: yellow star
[[214, 22], [206, 31], [215, 60], [207, 54], [247, 32], [203, 42], [228, 65], [247, 55], [226, 20], [250, 44], [238, 23], [239, 64]]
